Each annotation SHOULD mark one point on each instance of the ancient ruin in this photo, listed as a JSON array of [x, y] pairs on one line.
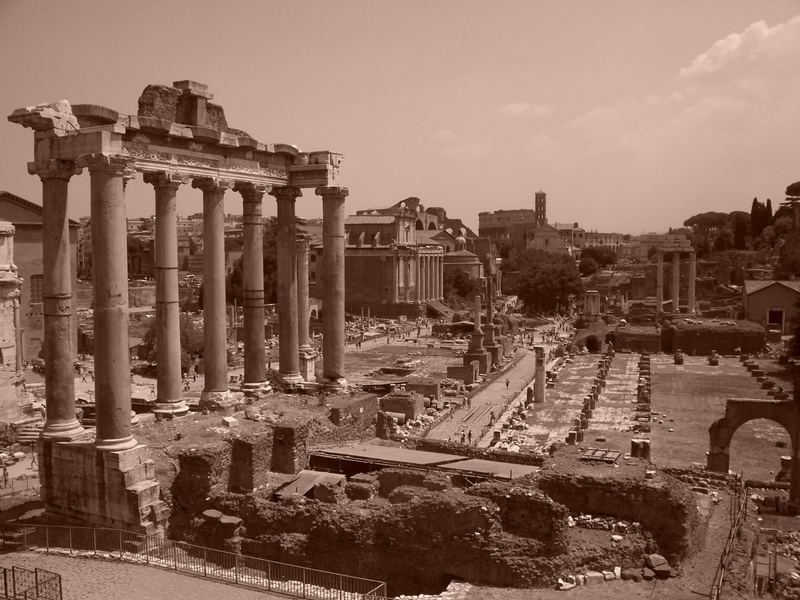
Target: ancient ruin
[[178, 137]]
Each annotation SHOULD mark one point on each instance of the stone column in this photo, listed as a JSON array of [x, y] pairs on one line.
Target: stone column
[[255, 371], [692, 280], [660, 283], [418, 277], [441, 277], [288, 349], [407, 279], [676, 282], [307, 354], [333, 284], [539, 383], [58, 320], [215, 354], [109, 256], [169, 399], [395, 285]]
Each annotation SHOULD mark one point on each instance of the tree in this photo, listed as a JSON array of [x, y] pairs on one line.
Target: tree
[[462, 285], [191, 342], [602, 255], [588, 266], [546, 280], [741, 227]]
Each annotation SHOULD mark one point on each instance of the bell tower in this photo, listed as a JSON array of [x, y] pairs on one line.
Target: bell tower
[[540, 208]]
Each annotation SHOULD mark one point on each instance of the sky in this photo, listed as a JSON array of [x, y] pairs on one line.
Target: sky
[[631, 115]]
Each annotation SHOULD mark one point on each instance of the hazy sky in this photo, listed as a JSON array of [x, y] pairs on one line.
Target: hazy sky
[[631, 115]]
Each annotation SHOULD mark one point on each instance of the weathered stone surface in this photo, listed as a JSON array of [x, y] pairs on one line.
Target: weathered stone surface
[[654, 560], [648, 574], [631, 574], [594, 577]]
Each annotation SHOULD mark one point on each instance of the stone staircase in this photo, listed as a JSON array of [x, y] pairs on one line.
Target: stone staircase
[[28, 430], [440, 309]]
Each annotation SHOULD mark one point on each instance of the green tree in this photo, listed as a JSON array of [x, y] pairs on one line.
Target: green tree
[[461, 285], [602, 255], [588, 266], [741, 228], [546, 280], [191, 342]]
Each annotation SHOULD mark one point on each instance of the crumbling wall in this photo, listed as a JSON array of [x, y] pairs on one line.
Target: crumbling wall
[[359, 411], [725, 339], [251, 457], [526, 512], [445, 447], [664, 506], [289, 448], [199, 471]]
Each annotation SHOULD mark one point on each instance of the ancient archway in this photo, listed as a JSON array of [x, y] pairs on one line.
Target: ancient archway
[[431, 226], [739, 411], [593, 344], [419, 225]]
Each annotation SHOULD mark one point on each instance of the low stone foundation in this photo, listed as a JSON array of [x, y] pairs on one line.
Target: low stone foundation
[[85, 486]]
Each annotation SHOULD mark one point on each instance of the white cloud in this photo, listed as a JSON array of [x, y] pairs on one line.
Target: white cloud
[[445, 135], [519, 109], [757, 42]]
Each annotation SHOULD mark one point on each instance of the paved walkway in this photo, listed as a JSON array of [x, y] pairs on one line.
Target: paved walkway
[[93, 579]]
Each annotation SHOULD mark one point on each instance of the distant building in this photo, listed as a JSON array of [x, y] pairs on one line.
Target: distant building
[[27, 220], [549, 239], [772, 304], [517, 223], [572, 234]]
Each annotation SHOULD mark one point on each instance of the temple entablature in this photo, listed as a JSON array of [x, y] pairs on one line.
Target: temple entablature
[[177, 131]]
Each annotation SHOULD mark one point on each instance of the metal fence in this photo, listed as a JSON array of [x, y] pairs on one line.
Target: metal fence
[[228, 567], [24, 584], [738, 511]]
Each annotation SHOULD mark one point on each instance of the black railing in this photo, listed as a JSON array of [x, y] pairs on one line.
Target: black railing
[[228, 567], [24, 584]]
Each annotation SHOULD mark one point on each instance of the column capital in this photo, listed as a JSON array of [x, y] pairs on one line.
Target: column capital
[[209, 184], [163, 179], [286, 193], [302, 244], [114, 165], [251, 192], [328, 191], [54, 169]]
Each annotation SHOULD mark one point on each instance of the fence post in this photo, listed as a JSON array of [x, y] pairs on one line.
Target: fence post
[[94, 540], [175, 555], [36, 580], [304, 583], [205, 561], [341, 586], [236, 567], [47, 539], [269, 575], [69, 529], [120, 543], [147, 548]]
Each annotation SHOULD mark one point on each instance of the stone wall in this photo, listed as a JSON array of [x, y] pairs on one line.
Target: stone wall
[[289, 449], [664, 506], [359, 410], [201, 470], [725, 339]]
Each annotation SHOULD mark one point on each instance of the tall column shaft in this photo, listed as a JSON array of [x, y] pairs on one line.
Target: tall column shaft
[[303, 314], [407, 278], [432, 278], [692, 281], [333, 216], [58, 324], [676, 281], [255, 372], [214, 310], [440, 279], [288, 348], [168, 328], [417, 278], [660, 283], [110, 260], [395, 285]]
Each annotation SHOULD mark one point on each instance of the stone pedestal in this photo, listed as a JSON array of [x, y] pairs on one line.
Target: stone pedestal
[[493, 348], [83, 485], [308, 364]]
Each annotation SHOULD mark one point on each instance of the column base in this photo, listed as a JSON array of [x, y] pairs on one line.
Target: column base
[[116, 444], [64, 431], [334, 385], [171, 409], [215, 400], [256, 388], [290, 378], [83, 485]]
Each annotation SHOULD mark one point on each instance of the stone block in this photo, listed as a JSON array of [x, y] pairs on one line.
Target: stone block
[[648, 574], [663, 571], [608, 575], [631, 574], [654, 560], [229, 422], [594, 577]]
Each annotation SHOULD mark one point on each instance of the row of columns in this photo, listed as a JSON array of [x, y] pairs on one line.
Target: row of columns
[[426, 272], [109, 246], [676, 281]]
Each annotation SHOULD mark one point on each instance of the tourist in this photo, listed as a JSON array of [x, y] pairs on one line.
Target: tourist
[[5, 476], [33, 460], [469, 437]]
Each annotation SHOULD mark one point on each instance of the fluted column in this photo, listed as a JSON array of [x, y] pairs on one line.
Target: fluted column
[[676, 281], [424, 278], [417, 278], [659, 283], [288, 349], [692, 281], [169, 399], [109, 256], [407, 278], [303, 313], [255, 371], [333, 265], [431, 278], [59, 353], [214, 311], [395, 285], [440, 278]]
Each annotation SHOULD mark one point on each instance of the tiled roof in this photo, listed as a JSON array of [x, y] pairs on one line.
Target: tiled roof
[[755, 285]]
